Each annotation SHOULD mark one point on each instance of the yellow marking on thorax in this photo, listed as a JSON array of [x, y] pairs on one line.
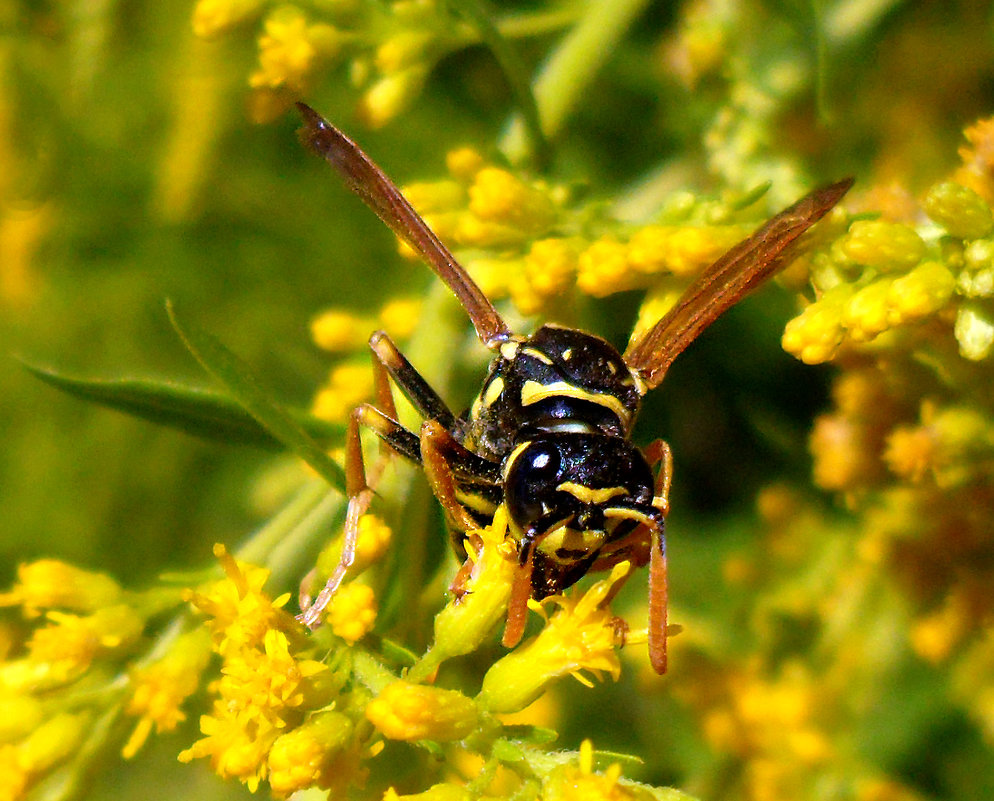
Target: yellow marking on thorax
[[533, 392], [591, 496], [492, 392], [537, 355]]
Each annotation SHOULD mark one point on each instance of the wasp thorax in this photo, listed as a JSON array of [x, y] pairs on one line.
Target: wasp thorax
[[568, 496], [557, 380]]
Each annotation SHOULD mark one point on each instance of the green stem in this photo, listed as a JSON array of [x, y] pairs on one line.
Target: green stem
[[569, 69], [278, 544], [522, 26], [481, 15]]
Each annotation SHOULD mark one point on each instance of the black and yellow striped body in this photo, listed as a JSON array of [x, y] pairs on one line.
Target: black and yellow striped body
[[555, 412]]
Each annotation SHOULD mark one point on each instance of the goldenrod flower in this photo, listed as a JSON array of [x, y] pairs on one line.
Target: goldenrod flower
[[73, 641], [241, 614], [580, 782], [336, 330], [958, 209], [680, 250], [373, 541], [468, 619], [261, 694], [934, 636], [437, 792], [884, 245], [405, 711], [603, 269], [816, 334], [463, 164], [213, 17], [910, 452], [306, 756], [349, 384], [400, 317], [291, 48], [21, 714], [432, 197], [51, 584], [868, 312], [391, 95], [405, 49], [42, 750], [550, 267], [923, 291], [578, 637], [497, 196], [977, 159], [974, 332], [352, 611], [657, 301], [159, 688], [845, 453]]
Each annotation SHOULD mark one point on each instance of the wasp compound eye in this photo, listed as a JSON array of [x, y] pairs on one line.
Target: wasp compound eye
[[531, 475]]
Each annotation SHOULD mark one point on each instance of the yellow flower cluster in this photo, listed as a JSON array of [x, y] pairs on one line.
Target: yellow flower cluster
[[526, 243], [910, 282], [261, 726], [61, 670], [281, 716], [350, 382]]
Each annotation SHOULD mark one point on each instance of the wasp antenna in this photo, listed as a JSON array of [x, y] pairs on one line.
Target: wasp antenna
[[738, 272], [369, 182]]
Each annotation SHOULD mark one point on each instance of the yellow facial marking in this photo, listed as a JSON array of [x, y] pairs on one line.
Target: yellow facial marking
[[591, 496], [533, 392], [628, 514], [570, 539]]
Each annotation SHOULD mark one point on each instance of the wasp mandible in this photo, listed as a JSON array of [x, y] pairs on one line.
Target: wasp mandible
[[548, 435]]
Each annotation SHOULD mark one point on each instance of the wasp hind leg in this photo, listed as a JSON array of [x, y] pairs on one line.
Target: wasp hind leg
[[360, 494], [659, 453], [359, 489]]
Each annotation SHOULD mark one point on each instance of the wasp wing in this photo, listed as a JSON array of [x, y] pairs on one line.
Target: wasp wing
[[380, 193], [725, 282]]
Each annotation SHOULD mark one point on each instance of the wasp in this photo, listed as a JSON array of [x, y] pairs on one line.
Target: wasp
[[548, 436]]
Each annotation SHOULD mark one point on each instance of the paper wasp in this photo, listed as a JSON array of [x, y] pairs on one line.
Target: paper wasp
[[548, 434]]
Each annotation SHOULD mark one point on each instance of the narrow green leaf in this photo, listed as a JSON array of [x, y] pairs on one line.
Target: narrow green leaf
[[231, 371], [193, 410], [532, 735], [481, 15]]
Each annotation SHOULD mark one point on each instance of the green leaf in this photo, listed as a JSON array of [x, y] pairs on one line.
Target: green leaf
[[533, 735], [231, 371], [193, 410]]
